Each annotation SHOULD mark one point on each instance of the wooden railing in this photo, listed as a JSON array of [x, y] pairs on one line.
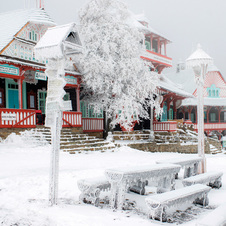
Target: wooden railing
[[156, 57], [93, 124], [72, 119], [170, 126], [17, 118], [212, 126]]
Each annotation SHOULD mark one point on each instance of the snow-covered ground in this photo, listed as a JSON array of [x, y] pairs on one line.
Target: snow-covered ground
[[24, 182]]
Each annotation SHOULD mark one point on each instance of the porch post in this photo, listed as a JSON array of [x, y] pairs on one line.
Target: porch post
[[165, 47], [20, 87], [151, 38], [78, 98], [158, 45]]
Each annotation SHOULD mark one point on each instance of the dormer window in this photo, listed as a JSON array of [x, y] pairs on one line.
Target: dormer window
[[33, 36], [213, 91], [73, 38]]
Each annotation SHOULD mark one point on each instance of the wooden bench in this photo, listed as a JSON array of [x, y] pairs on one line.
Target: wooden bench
[[189, 163], [215, 218], [158, 204], [91, 189], [212, 179]]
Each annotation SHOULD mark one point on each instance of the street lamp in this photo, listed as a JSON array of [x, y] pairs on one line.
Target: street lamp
[[199, 61]]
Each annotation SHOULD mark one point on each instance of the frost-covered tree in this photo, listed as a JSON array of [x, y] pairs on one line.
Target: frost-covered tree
[[115, 76]]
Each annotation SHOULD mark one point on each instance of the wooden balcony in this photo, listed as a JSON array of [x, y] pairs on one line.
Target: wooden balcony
[[157, 58]]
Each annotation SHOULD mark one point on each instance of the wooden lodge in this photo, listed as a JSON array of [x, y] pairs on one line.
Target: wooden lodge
[[23, 83]]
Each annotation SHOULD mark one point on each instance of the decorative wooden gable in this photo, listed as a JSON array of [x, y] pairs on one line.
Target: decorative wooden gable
[[24, 41], [214, 85]]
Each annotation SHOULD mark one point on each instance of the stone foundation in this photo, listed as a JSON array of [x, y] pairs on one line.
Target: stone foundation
[[175, 147]]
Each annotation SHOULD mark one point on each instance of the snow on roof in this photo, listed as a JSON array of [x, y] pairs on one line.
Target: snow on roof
[[167, 84], [199, 56], [135, 21], [11, 22], [142, 17], [207, 101], [186, 77], [50, 45]]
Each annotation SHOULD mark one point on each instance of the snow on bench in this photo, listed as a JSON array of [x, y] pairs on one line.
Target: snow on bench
[[158, 204], [215, 218], [190, 164], [91, 189], [212, 179], [128, 178]]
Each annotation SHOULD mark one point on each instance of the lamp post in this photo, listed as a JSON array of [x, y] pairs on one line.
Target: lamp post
[[199, 61]]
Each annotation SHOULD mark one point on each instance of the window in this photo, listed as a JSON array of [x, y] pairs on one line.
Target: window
[[148, 45], [42, 100], [212, 117], [33, 36], [170, 114], [213, 91], [1, 98], [88, 111]]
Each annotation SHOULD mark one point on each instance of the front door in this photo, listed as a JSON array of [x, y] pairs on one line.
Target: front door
[[13, 94], [13, 98]]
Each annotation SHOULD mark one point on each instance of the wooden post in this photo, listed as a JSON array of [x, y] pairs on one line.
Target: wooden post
[[20, 87], [78, 98]]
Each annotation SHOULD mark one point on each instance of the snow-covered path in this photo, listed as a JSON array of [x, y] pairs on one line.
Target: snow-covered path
[[24, 182]]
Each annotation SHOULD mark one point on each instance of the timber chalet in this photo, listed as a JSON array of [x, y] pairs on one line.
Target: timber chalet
[[23, 83]]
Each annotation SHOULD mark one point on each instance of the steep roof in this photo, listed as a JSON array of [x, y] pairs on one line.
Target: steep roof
[[197, 57], [186, 78], [13, 21], [166, 84]]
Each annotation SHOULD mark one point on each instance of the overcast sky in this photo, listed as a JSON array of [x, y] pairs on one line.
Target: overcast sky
[[184, 22]]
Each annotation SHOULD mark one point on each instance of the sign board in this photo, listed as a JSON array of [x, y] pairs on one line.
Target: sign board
[[7, 69], [67, 106], [71, 80], [8, 116], [52, 106], [40, 76]]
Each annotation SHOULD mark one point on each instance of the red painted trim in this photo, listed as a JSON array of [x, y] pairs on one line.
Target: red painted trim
[[145, 58], [23, 120], [18, 124], [158, 54], [9, 76]]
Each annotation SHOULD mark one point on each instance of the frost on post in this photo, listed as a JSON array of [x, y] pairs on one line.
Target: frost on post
[[57, 46], [114, 74]]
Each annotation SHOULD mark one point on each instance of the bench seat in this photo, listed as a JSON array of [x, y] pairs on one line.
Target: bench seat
[[212, 179], [91, 188], [158, 204], [215, 218]]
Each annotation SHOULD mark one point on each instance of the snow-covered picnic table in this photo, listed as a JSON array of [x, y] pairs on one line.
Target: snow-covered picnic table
[[122, 179], [190, 164]]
